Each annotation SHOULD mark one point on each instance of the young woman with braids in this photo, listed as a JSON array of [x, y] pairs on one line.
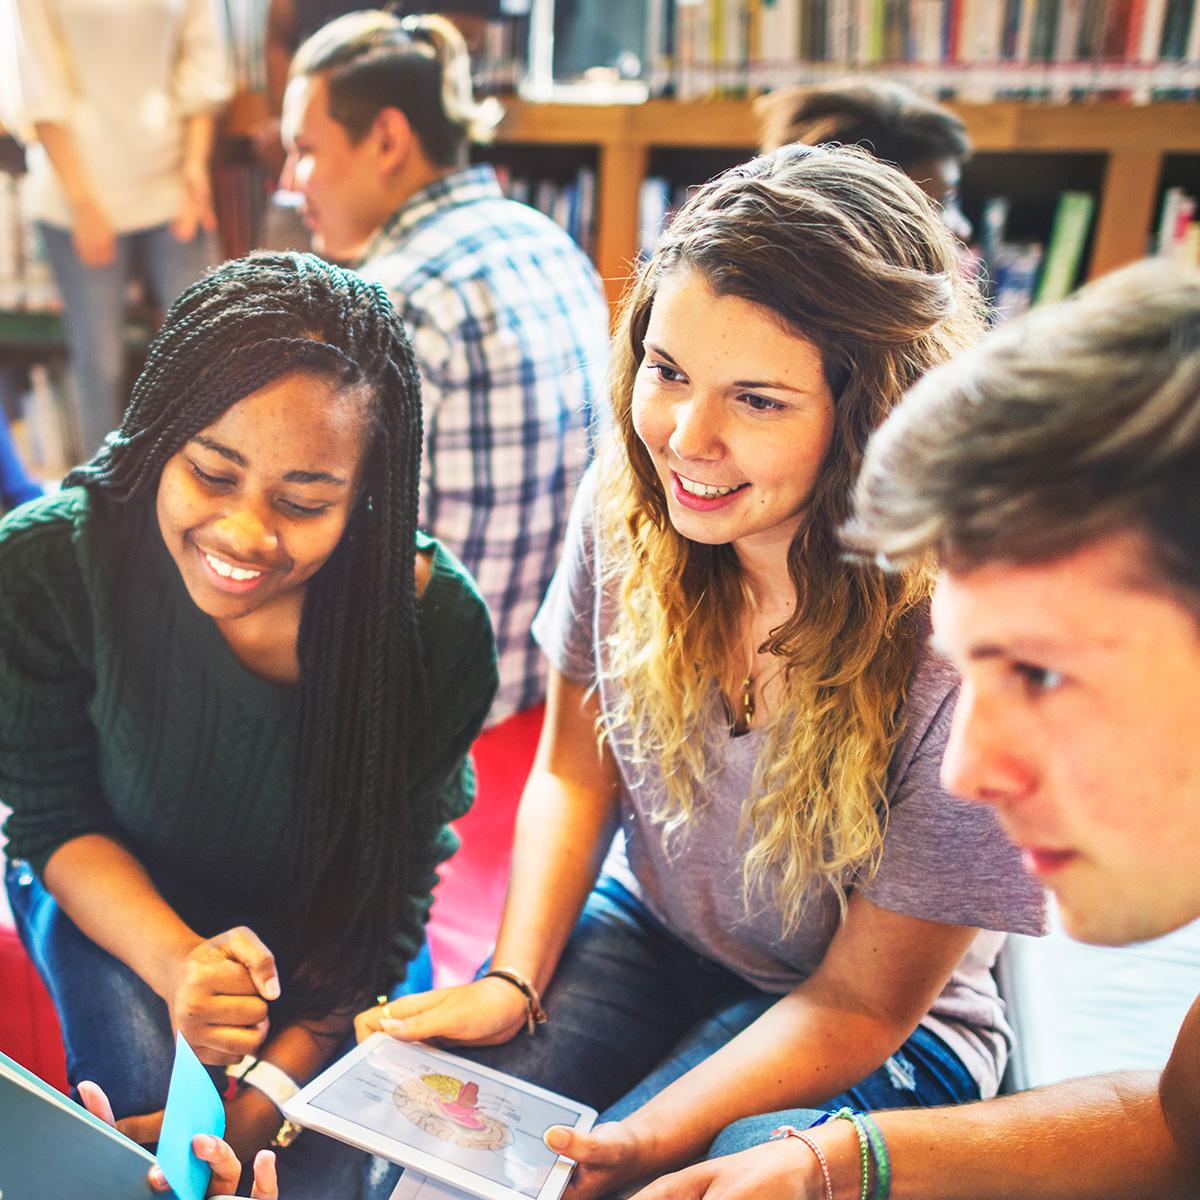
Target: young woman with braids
[[793, 913], [237, 689]]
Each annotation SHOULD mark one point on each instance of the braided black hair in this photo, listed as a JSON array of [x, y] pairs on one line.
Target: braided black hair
[[238, 329]]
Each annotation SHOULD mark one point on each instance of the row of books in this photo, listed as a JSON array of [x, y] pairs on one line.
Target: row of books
[[1178, 234], [1016, 273], [498, 61], [1019, 273], [570, 202], [44, 431], [26, 281], [979, 49]]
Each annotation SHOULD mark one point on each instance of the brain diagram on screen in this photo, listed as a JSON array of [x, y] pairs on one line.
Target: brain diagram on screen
[[447, 1108]]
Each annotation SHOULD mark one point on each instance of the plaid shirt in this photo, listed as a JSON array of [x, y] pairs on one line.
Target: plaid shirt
[[510, 332]]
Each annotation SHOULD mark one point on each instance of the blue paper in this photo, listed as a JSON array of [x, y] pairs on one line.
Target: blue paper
[[193, 1106]]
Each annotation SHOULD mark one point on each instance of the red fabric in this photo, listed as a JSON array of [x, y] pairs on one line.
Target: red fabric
[[28, 1024], [470, 896]]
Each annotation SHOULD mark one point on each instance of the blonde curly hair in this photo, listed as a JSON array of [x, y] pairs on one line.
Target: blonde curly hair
[[852, 256]]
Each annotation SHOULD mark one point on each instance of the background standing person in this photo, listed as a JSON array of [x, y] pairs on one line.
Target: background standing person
[[510, 333], [1053, 473], [761, 719], [237, 691], [924, 139], [121, 96]]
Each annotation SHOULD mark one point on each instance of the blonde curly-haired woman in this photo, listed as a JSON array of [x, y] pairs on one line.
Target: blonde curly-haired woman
[[794, 911]]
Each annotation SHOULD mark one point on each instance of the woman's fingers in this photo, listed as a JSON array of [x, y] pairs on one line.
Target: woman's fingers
[[691, 1183], [608, 1145], [482, 1013], [226, 1170], [404, 1007], [243, 945], [266, 1186], [96, 1102], [222, 1046]]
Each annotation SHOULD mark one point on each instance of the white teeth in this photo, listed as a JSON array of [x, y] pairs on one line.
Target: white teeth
[[703, 489], [227, 571]]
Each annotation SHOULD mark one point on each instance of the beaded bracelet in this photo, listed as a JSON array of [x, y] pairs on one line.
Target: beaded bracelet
[[864, 1149], [790, 1131], [883, 1162]]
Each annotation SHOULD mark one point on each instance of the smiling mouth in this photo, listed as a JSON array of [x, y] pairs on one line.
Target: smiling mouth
[[228, 570], [230, 576], [706, 491]]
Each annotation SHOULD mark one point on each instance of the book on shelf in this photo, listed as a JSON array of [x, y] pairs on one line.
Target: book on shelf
[[26, 280], [571, 203], [975, 49], [1064, 250], [1178, 235]]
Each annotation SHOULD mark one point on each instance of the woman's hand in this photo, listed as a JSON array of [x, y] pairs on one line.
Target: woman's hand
[[197, 211], [92, 234], [226, 1170], [486, 1012], [217, 995], [782, 1170], [607, 1158]]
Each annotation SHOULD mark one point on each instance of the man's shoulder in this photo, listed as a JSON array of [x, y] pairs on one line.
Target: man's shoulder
[[459, 244]]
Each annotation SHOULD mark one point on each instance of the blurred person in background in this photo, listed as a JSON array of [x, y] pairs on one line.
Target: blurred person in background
[[926, 141], [119, 100]]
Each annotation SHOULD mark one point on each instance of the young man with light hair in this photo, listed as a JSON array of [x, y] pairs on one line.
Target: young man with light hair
[[1053, 473]]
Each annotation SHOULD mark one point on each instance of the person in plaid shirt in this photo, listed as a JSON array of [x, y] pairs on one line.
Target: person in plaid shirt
[[508, 320]]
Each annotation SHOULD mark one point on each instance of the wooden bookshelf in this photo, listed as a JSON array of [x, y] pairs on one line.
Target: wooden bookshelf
[[1133, 139]]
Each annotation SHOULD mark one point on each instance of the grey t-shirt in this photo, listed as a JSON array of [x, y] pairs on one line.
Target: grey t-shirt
[[943, 860]]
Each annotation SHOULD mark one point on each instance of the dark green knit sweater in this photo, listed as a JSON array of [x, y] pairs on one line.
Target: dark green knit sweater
[[123, 711]]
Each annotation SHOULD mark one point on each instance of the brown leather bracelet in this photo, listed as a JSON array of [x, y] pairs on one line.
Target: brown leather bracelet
[[535, 1014]]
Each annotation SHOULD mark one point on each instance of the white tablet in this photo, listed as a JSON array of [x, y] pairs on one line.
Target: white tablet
[[444, 1116]]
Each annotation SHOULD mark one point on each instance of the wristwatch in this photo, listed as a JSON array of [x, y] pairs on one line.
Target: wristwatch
[[278, 1087]]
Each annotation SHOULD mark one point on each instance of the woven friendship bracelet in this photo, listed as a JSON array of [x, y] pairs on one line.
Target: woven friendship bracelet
[[864, 1149], [790, 1131], [883, 1162]]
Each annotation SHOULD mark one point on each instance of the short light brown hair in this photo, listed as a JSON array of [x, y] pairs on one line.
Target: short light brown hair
[[1078, 420], [890, 120]]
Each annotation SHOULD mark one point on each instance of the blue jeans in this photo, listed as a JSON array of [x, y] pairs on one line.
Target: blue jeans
[[632, 1009], [94, 311], [117, 1031]]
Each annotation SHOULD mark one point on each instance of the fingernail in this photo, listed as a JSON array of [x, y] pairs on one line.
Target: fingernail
[[555, 1138], [203, 1142], [157, 1177], [271, 990], [392, 1026]]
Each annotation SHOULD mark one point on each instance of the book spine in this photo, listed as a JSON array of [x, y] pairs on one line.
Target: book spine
[[1064, 251]]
